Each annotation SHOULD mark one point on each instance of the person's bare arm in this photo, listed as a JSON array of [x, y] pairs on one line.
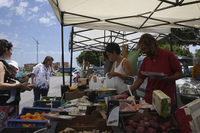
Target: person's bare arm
[[32, 78], [127, 68], [7, 86], [175, 76], [25, 79], [136, 85], [111, 71], [52, 70]]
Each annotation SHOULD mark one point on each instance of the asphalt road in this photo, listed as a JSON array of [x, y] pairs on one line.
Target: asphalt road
[[55, 90]]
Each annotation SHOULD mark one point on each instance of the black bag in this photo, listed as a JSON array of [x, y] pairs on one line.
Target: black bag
[[5, 94]]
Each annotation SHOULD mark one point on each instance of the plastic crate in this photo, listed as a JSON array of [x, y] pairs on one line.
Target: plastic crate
[[49, 98], [32, 110], [17, 122], [55, 104], [20, 129]]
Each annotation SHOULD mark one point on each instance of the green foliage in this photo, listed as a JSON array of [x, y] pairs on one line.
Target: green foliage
[[184, 36], [197, 53], [94, 57], [176, 50], [29, 69], [60, 74]]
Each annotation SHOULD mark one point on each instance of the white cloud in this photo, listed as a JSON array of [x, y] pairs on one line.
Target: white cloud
[[41, 0], [16, 35], [20, 10], [31, 17], [6, 3], [5, 22], [3, 36], [35, 9], [48, 19], [44, 20], [50, 15], [42, 52], [14, 42]]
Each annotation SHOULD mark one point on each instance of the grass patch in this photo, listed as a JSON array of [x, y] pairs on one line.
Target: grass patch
[[60, 74]]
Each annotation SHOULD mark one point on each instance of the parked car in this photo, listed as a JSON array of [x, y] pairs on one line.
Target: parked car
[[75, 75], [187, 89]]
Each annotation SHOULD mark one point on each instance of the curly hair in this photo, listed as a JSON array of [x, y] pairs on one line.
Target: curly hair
[[197, 60], [4, 44]]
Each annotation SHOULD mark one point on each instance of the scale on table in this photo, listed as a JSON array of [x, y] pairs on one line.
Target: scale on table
[[129, 82]]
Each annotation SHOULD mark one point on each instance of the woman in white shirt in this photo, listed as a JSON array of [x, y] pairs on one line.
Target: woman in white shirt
[[120, 69], [41, 75]]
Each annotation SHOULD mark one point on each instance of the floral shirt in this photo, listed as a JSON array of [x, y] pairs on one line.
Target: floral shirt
[[42, 76]]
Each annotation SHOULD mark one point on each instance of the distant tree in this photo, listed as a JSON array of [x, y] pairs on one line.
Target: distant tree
[[183, 36], [176, 50], [197, 52], [94, 57]]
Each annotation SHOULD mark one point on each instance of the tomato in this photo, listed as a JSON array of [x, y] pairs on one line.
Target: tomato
[[77, 123], [82, 124]]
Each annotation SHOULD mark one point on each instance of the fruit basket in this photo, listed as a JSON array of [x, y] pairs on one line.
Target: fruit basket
[[26, 117]]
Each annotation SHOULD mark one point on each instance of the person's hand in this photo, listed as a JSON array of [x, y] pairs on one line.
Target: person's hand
[[24, 86], [112, 74], [25, 79], [165, 78]]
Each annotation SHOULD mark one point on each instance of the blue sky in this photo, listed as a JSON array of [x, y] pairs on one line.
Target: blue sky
[[20, 20]]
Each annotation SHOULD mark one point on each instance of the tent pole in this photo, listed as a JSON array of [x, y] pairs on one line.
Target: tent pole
[[72, 34], [170, 36], [63, 74], [176, 98]]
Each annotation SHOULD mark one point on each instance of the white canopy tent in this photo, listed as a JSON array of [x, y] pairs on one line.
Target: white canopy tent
[[127, 16], [95, 40]]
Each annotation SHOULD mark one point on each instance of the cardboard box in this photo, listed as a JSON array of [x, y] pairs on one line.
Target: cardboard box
[[146, 113], [74, 94], [162, 103], [91, 122]]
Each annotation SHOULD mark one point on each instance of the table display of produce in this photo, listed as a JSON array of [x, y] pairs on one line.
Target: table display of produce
[[137, 116], [144, 121]]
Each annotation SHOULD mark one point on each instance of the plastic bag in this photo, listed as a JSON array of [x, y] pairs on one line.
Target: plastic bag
[[95, 82], [144, 104], [124, 106], [108, 83]]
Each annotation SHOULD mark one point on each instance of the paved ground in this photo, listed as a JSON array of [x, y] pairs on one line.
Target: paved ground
[[55, 90]]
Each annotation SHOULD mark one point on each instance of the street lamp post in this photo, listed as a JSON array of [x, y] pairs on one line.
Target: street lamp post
[[37, 47]]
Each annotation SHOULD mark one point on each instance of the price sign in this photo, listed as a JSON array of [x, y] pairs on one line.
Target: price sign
[[129, 80]]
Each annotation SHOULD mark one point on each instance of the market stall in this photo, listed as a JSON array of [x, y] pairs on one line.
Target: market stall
[[114, 21]]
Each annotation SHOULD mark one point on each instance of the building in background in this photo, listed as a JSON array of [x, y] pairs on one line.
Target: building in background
[[56, 65]]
